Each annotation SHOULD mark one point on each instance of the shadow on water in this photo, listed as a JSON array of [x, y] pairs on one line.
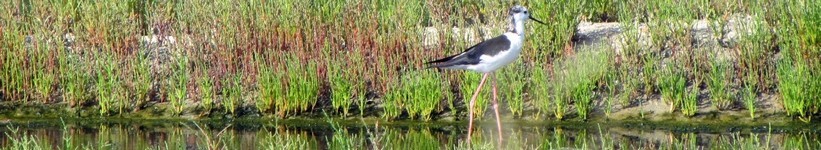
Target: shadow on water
[[302, 134]]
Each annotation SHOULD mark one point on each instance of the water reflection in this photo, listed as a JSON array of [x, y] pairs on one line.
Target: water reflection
[[195, 136]]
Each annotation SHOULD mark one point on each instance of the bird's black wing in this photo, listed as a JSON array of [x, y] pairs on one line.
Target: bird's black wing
[[471, 55]]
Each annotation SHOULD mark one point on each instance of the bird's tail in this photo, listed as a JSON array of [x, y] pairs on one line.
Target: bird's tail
[[439, 63]]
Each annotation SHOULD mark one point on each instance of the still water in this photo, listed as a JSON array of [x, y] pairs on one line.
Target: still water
[[326, 134]]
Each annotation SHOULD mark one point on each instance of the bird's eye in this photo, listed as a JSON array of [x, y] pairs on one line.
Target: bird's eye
[[525, 11]]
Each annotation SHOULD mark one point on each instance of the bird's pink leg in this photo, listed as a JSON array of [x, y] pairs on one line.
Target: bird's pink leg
[[496, 110], [470, 107]]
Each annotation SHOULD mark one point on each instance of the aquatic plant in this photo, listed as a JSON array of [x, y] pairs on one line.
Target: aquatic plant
[[671, 83], [302, 87], [342, 140], [689, 105], [60, 36], [718, 82], [794, 83], [286, 140], [108, 87], [347, 87], [18, 140], [798, 72], [414, 138], [75, 79], [577, 76], [649, 70], [178, 83], [543, 87], [43, 77], [13, 76], [140, 78], [419, 93], [511, 86], [750, 94], [231, 93], [469, 84], [269, 84], [205, 84]]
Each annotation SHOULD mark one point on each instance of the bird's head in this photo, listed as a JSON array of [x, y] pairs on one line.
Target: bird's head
[[520, 13]]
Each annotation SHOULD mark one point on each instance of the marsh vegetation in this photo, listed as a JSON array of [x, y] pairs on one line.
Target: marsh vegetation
[[289, 58]]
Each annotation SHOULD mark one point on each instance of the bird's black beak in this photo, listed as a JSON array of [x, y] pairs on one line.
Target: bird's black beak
[[534, 19]]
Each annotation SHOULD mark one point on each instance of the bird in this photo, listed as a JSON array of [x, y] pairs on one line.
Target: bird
[[488, 56]]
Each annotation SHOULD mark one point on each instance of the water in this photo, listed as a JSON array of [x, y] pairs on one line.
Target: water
[[323, 134]]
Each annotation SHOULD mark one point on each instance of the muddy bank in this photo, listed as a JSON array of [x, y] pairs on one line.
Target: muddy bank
[[647, 110]]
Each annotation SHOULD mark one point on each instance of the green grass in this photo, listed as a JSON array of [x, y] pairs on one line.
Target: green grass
[[356, 48], [541, 92], [12, 74], [43, 78], [798, 71], [75, 80], [302, 87], [554, 36], [269, 84], [576, 77], [178, 94], [718, 83], [631, 64], [110, 93], [347, 86], [511, 83], [672, 84], [419, 93], [796, 80], [140, 78], [207, 92], [649, 78], [470, 82], [231, 93], [689, 105]]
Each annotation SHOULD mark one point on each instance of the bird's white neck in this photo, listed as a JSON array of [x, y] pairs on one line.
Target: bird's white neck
[[516, 26]]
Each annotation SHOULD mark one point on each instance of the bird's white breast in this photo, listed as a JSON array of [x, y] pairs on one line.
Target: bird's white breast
[[491, 63]]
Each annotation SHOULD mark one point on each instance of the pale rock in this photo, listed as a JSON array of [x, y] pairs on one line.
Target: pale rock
[[737, 26]]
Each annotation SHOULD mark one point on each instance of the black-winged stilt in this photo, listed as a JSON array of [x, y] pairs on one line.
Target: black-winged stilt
[[489, 56]]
